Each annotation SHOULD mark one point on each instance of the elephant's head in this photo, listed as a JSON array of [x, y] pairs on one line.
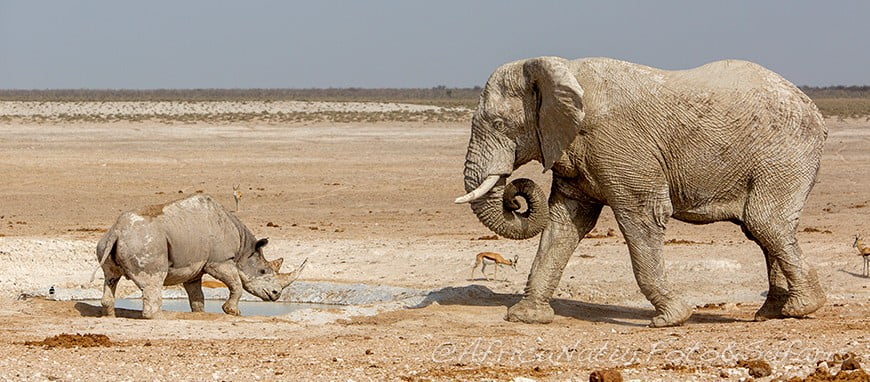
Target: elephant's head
[[528, 110]]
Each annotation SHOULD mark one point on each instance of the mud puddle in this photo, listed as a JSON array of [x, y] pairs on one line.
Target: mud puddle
[[248, 308]]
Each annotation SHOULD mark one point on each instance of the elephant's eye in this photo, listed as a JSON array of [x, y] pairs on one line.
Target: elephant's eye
[[498, 124], [262, 271]]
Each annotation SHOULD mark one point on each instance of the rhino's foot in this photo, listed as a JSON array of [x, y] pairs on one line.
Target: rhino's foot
[[231, 309], [152, 315], [672, 312], [109, 312], [773, 304], [530, 312]]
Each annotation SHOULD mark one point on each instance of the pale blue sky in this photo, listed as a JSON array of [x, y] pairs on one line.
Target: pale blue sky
[[320, 43]]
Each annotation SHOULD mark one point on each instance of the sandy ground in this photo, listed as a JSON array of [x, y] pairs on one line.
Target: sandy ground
[[372, 203]]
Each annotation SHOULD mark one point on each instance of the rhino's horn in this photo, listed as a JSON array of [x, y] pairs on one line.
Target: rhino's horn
[[289, 278]]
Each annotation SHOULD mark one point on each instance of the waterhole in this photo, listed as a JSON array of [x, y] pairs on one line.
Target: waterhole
[[303, 301], [248, 308]]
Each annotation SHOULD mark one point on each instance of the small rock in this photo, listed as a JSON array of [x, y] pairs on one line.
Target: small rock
[[822, 367], [606, 375], [757, 368], [850, 364]]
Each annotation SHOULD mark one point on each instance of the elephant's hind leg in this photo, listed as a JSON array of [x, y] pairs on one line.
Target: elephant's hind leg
[[644, 233], [774, 223], [777, 292], [569, 222]]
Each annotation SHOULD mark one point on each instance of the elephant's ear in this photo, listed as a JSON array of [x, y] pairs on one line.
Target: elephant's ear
[[557, 105]]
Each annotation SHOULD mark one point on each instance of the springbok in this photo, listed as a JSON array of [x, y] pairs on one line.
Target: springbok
[[863, 251], [237, 195], [487, 258]]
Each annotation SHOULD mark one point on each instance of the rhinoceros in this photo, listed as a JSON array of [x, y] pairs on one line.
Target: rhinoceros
[[179, 242]]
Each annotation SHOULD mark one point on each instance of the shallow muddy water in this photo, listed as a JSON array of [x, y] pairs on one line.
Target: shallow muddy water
[[248, 308]]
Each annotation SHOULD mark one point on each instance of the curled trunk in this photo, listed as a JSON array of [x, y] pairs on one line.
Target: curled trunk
[[500, 211]]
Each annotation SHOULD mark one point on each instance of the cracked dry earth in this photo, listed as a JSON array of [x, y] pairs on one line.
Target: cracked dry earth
[[372, 203]]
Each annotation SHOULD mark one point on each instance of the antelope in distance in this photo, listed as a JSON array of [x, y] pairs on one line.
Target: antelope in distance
[[237, 195], [487, 258], [863, 251]]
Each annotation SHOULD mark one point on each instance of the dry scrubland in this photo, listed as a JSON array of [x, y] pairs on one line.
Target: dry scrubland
[[365, 191], [263, 105]]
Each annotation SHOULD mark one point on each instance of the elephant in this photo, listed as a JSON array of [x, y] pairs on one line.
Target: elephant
[[726, 141]]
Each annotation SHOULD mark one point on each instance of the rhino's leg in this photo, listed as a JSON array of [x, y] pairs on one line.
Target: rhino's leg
[[112, 274], [152, 292], [108, 302], [228, 274], [194, 295]]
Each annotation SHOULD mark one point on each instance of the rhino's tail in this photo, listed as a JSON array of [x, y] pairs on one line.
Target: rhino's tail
[[107, 246]]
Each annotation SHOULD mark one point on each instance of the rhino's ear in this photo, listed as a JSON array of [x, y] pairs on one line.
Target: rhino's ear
[[261, 243], [276, 264]]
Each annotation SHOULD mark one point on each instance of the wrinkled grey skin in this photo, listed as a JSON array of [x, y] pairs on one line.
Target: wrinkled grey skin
[[727, 141], [179, 242]]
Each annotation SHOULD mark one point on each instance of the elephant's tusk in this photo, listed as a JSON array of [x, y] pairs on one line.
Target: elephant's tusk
[[481, 190]]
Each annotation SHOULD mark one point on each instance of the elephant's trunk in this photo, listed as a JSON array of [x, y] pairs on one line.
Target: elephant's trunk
[[499, 209], [489, 161]]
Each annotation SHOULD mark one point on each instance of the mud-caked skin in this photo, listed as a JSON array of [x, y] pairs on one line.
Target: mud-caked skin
[[727, 141], [178, 243]]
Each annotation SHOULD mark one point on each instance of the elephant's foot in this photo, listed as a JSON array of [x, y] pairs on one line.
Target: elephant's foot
[[672, 312], [803, 302], [530, 312], [231, 309], [197, 307], [773, 305]]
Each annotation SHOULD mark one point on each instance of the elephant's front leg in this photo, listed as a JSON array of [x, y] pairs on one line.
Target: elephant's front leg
[[570, 220], [644, 232]]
